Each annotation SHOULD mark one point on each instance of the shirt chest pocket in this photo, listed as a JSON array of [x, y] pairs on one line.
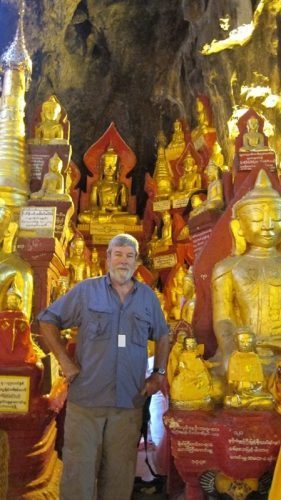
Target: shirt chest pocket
[[99, 325], [142, 329]]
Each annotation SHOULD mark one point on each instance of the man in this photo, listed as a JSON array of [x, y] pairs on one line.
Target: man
[[115, 316]]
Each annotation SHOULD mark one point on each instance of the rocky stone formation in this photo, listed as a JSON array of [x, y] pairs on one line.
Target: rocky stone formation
[[140, 63]]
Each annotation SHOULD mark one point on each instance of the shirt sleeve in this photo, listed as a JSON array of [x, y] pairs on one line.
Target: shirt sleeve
[[66, 312]]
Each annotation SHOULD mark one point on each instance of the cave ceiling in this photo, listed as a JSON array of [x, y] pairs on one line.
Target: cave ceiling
[[142, 63]]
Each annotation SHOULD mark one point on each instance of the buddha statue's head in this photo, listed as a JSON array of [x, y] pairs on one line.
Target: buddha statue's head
[[257, 217], [189, 164], [245, 339], [180, 275], [212, 171], [55, 163], [78, 246], [13, 298], [252, 124], [51, 109], [109, 162], [166, 217], [196, 201], [190, 344]]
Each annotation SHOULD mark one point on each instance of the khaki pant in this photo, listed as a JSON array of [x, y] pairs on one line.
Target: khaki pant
[[99, 454]]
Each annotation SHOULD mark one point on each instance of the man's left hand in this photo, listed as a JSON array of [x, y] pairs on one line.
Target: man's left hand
[[153, 384]]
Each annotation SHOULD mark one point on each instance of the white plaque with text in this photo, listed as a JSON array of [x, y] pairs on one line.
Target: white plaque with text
[[37, 220], [165, 261], [161, 205], [14, 394]]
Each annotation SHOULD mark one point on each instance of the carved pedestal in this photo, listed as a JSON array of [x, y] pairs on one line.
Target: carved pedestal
[[247, 160], [47, 259], [241, 445]]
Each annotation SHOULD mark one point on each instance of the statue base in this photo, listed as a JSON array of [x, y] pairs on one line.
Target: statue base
[[239, 444]]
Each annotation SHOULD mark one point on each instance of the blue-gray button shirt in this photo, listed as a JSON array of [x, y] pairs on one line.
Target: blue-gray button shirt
[[110, 375]]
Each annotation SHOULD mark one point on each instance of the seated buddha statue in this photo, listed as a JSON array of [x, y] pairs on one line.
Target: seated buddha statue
[[13, 269], [53, 183], [50, 130], [95, 267], [193, 387], [175, 352], [162, 244], [176, 147], [188, 307], [214, 199], [77, 265], [162, 176], [253, 139], [217, 157], [245, 378], [109, 196], [246, 287], [15, 338], [177, 293], [203, 127], [190, 181]]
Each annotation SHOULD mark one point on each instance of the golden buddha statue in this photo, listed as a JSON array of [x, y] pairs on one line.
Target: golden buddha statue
[[161, 299], [109, 196], [162, 176], [193, 387], [162, 244], [245, 378], [177, 293], [175, 352], [253, 139], [77, 265], [247, 286], [61, 288], [53, 183], [13, 268], [50, 130], [190, 181], [217, 157], [188, 307], [95, 267], [176, 147], [203, 127], [214, 199], [15, 341]]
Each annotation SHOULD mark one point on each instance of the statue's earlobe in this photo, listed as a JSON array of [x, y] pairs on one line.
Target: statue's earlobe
[[240, 244]]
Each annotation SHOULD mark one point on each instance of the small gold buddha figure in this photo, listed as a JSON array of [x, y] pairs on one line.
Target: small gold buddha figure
[[177, 293], [245, 378], [175, 352], [53, 183], [162, 301], [61, 288], [204, 125], [77, 265], [253, 139], [214, 199], [217, 157], [13, 269], [162, 244], [193, 387], [162, 176], [15, 339], [95, 267], [190, 180], [50, 130], [187, 310], [247, 285], [176, 147], [109, 196]]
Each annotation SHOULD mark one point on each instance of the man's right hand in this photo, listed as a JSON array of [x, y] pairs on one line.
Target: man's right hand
[[70, 369]]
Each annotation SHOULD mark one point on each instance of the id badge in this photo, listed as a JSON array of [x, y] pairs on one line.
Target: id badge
[[121, 340]]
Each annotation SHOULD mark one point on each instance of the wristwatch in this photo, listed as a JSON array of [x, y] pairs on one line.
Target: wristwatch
[[161, 371]]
